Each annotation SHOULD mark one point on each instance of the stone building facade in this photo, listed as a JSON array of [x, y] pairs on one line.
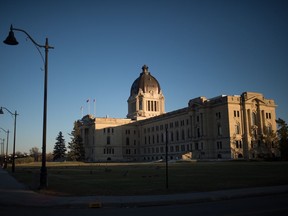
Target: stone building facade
[[226, 127]]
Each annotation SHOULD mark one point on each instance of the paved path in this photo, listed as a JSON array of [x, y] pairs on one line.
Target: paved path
[[13, 193]]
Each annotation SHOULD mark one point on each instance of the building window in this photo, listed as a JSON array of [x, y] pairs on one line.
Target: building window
[[219, 130], [268, 115], [198, 132], [236, 113], [254, 118], [269, 129], [218, 115], [183, 134], [157, 149], [237, 128], [238, 144], [196, 146], [183, 148], [177, 148], [176, 124], [148, 105], [177, 135], [219, 145], [127, 141], [108, 140], [172, 136]]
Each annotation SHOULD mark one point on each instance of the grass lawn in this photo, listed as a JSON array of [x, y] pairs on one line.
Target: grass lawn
[[69, 178]]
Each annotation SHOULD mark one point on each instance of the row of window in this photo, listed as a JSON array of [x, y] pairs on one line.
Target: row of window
[[108, 150], [173, 136], [238, 144], [219, 144], [171, 125], [171, 149], [108, 130], [130, 151], [236, 113], [268, 115], [218, 115], [128, 131], [152, 106]]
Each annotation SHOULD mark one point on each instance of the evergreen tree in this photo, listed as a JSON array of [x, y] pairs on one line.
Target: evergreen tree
[[77, 152], [283, 138], [59, 152]]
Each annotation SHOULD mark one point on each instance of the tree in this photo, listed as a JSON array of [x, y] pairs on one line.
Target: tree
[[77, 151], [34, 152], [283, 138], [59, 152]]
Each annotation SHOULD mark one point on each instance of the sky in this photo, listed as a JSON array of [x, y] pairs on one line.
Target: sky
[[192, 47]]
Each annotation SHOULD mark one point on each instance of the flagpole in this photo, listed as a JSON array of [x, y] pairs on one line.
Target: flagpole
[[81, 112], [94, 103], [88, 101]]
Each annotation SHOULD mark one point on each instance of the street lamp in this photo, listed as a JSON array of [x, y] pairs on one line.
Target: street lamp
[[11, 40], [14, 141], [6, 155], [2, 149]]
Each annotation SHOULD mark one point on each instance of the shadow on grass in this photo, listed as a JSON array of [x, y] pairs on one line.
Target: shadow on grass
[[83, 179]]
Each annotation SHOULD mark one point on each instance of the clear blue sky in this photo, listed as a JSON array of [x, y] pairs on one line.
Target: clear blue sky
[[193, 47]]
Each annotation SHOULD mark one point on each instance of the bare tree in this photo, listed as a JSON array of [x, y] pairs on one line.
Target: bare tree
[[34, 152]]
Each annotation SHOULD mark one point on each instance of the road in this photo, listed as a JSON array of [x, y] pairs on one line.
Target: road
[[265, 206]]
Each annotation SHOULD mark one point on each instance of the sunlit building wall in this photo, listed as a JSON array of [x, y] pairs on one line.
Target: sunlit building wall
[[223, 127]]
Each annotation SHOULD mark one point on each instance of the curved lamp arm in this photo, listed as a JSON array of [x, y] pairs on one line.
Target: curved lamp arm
[[33, 41]]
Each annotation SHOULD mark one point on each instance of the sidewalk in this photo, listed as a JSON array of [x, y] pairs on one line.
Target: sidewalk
[[12, 193]]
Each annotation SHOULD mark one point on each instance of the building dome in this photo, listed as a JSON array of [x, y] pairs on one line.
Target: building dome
[[146, 82]]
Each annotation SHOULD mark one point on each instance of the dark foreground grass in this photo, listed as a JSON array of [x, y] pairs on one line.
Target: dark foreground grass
[[150, 178]]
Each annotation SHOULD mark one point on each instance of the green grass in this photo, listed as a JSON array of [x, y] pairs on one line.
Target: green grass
[[68, 178]]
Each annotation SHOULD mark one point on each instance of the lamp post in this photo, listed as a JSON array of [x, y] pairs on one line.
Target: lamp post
[[2, 149], [14, 141], [6, 155], [11, 40]]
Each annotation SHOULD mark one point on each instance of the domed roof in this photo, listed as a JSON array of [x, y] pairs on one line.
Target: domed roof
[[146, 82]]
